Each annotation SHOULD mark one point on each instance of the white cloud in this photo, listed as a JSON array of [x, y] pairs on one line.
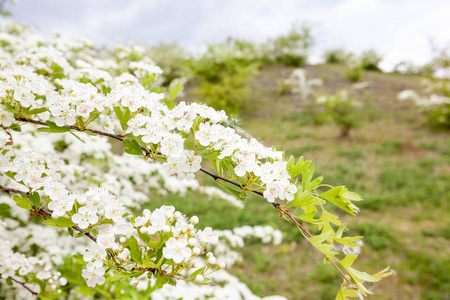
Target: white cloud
[[399, 29]]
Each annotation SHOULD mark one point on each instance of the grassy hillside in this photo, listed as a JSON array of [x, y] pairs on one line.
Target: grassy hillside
[[399, 165]]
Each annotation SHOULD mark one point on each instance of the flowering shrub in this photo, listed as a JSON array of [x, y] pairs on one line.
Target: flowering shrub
[[435, 103], [62, 180], [341, 109]]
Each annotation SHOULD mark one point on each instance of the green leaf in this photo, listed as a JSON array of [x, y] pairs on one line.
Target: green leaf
[[299, 167], [344, 204], [344, 294], [78, 137], [22, 201], [189, 144], [302, 198], [135, 251], [347, 262], [52, 127], [352, 196], [5, 210], [60, 222], [211, 155], [9, 281], [79, 259], [318, 242], [16, 127], [290, 163], [122, 116], [132, 147], [36, 111], [174, 90], [161, 281], [313, 184], [362, 275], [35, 199], [306, 177], [148, 79]]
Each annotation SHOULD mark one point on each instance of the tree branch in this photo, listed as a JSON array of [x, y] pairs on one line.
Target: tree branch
[[46, 212], [23, 284]]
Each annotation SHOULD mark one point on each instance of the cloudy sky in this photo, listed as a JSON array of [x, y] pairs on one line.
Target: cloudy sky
[[398, 29]]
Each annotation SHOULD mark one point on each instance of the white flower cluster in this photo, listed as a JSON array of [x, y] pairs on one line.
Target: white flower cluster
[[23, 85], [15, 264], [34, 170], [302, 86], [231, 239], [431, 100]]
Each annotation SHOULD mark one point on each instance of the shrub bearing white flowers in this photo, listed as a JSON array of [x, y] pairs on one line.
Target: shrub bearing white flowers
[[61, 104]]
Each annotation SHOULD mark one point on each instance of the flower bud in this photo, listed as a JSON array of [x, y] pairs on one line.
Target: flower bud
[[194, 220], [199, 278], [212, 260], [192, 242], [123, 240], [196, 251], [209, 254], [134, 282], [222, 265]]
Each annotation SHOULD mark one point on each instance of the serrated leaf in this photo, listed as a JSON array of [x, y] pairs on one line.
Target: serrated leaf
[[60, 222], [135, 251], [302, 198], [306, 177], [332, 196], [318, 242], [299, 167], [313, 184], [290, 163], [22, 201]]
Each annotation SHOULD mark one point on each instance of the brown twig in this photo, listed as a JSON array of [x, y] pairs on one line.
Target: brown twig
[[23, 284]]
